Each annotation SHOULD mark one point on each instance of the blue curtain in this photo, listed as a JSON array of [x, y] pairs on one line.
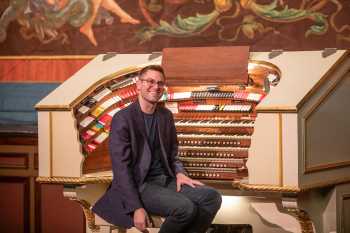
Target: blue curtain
[[17, 101]]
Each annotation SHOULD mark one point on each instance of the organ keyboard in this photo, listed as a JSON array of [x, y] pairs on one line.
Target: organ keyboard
[[208, 118], [262, 129], [214, 121]]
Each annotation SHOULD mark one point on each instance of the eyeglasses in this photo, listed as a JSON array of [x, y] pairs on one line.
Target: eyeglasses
[[152, 82]]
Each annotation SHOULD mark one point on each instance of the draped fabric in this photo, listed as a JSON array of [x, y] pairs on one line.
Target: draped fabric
[[39, 71], [23, 83], [17, 101]]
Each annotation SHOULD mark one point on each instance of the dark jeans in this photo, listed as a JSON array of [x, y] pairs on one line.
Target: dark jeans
[[189, 211]]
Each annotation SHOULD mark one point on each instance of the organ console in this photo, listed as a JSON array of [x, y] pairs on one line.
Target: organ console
[[246, 126]]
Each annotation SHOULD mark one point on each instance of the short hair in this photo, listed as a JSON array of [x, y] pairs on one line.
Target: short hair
[[152, 67]]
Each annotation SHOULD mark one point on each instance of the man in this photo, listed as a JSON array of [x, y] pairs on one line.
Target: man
[[148, 178]]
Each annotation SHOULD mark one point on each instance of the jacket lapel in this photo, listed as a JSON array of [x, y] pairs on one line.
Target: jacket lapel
[[161, 125], [144, 160], [139, 119]]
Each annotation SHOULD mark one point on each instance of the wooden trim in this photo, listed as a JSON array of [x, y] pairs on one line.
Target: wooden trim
[[31, 167], [280, 151], [36, 161], [122, 72], [105, 79], [17, 172], [236, 184], [324, 78], [32, 204], [131, 69], [321, 100], [267, 64], [306, 224], [18, 149], [38, 214], [22, 184], [343, 197], [57, 57], [276, 109], [14, 160], [89, 215], [73, 180], [50, 144], [25, 175], [326, 183], [326, 95], [26, 205], [53, 108], [182, 70], [265, 187], [326, 166]]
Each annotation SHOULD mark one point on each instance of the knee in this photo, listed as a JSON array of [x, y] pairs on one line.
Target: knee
[[186, 210], [213, 200], [217, 199]]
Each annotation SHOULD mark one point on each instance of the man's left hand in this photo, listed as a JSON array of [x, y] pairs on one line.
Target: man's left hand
[[183, 179]]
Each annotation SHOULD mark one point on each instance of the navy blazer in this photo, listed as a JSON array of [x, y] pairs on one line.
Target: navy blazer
[[131, 159]]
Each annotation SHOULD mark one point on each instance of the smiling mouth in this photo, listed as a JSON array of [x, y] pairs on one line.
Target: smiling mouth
[[155, 93]]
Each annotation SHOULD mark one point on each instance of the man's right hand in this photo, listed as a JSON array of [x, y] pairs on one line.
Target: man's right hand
[[141, 220]]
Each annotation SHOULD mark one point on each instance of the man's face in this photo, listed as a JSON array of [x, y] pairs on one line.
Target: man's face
[[151, 86]]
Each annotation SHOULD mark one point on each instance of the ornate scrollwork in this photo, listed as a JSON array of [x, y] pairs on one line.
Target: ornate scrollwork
[[303, 219], [89, 215]]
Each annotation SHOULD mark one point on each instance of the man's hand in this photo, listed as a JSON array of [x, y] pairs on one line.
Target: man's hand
[[141, 220], [183, 179]]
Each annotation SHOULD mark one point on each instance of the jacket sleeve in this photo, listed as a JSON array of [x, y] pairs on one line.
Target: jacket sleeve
[[120, 152], [174, 161]]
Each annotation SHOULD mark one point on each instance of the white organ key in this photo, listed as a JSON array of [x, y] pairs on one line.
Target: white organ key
[[214, 123]]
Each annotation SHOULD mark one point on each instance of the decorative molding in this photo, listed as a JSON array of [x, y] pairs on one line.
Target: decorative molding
[[50, 145], [303, 219], [89, 215], [304, 120], [343, 220], [326, 166], [280, 151], [325, 96], [122, 72], [266, 187], [74, 180], [266, 64], [324, 78], [63, 57], [18, 149], [235, 184], [21, 173], [276, 109], [53, 108], [326, 184], [14, 160], [108, 179], [132, 69], [102, 81], [287, 189]]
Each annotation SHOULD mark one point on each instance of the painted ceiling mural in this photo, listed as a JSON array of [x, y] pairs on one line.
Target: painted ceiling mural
[[84, 27]]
